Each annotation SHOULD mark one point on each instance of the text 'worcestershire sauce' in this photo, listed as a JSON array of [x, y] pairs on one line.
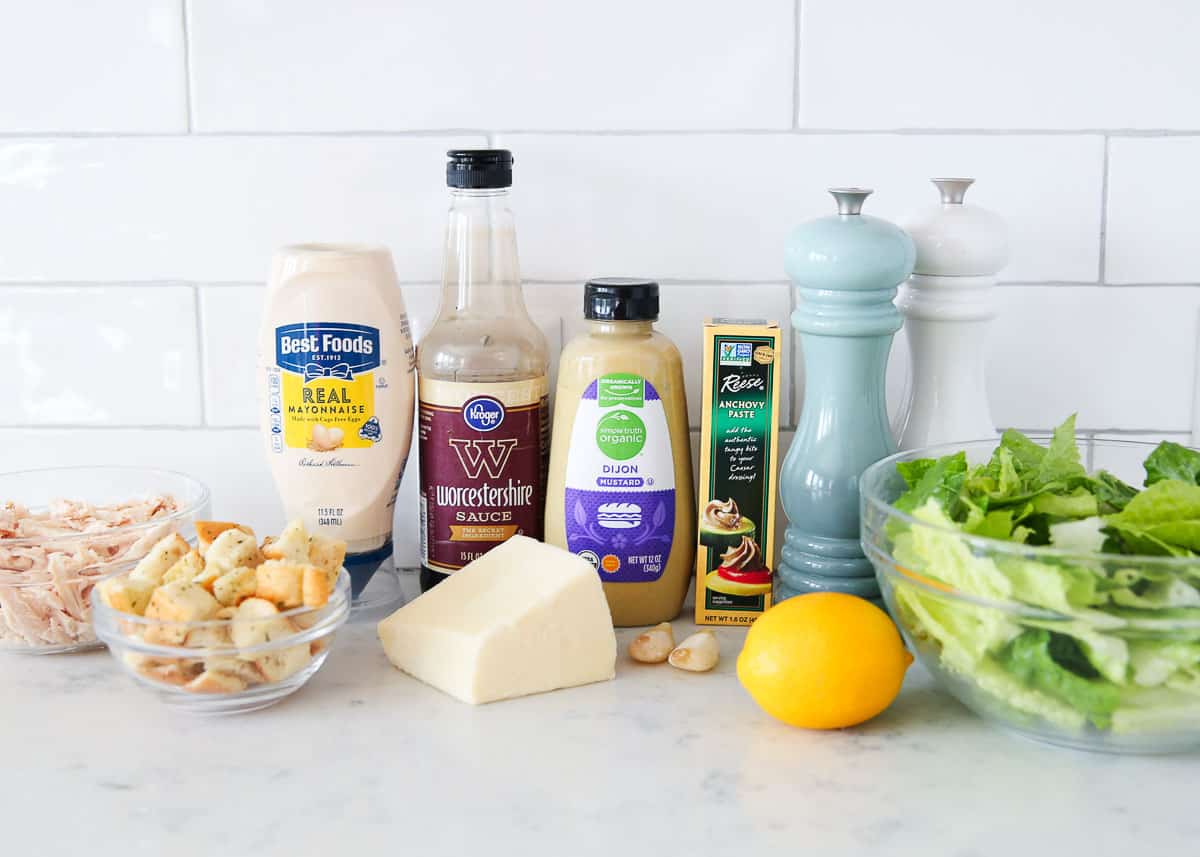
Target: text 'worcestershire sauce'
[[483, 419]]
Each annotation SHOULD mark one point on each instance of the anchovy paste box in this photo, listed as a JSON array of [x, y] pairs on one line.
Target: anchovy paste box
[[738, 459]]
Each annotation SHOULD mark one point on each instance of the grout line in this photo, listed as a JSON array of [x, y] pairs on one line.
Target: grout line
[[123, 427], [616, 132], [665, 281], [187, 64], [796, 41], [201, 355], [793, 354], [1086, 432], [1104, 212]]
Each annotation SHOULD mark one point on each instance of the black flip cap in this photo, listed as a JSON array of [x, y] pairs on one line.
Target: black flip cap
[[479, 168], [620, 299]]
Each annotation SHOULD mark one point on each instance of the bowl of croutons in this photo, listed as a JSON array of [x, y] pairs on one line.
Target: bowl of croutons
[[230, 624]]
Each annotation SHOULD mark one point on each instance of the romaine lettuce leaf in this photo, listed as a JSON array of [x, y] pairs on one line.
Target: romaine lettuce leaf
[[1083, 536], [940, 481], [1049, 663], [1157, 594], [1172, 461], [1163, 519], [1155, 662]]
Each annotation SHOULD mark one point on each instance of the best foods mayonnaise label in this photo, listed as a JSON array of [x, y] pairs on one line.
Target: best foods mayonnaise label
[[322, 396]]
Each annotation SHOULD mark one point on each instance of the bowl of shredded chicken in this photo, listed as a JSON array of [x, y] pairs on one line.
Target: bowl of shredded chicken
[[62, 530]]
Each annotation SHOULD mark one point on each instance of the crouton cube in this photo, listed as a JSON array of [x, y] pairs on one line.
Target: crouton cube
[[187, 567], [165, 635], [127, 594], [232, 549], [233, 587], [165, 553], [316, 586], [327, 554], [182, 601], [243, 669], [207, 532], [209, 637], [257, 622], [278, 665], [281, 583], [292, 544], [215, 682], [173, 671]]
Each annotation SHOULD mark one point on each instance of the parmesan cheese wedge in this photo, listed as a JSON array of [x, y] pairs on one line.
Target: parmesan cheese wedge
[[524, 618]]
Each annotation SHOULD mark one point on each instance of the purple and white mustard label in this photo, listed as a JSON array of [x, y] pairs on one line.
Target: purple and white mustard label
[[620, 484]]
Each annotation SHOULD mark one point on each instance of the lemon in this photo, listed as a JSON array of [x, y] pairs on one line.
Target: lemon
[[823, 661]]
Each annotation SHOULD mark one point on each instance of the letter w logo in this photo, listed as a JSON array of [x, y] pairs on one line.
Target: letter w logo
[[476, 455]]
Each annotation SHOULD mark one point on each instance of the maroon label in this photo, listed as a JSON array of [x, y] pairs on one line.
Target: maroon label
[[483, 473]]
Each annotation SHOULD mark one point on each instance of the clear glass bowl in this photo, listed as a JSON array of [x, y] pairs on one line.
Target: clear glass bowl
[[990, 650], [207, 672], [45, 581]]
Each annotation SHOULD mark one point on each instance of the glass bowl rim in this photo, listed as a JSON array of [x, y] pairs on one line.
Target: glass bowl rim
[[1023, 551], [202, 500]]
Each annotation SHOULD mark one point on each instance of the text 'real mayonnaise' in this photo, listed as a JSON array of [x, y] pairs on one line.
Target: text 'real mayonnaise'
[[335, 384]]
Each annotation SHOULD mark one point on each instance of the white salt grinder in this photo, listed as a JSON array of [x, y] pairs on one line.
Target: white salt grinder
[[947, 306]]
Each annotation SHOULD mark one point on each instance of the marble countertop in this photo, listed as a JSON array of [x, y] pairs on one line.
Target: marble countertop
[[367, 760]]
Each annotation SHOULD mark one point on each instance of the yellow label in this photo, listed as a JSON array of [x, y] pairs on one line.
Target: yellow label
[[325, 414]]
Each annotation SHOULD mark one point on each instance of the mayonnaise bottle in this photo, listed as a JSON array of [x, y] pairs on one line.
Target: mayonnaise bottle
[[335, 386]]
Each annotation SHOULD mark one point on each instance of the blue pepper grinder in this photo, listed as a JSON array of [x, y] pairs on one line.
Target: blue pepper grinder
[[846, 269]]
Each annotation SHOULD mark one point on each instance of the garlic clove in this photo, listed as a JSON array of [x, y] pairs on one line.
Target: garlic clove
[[654, 645], [698, 653]]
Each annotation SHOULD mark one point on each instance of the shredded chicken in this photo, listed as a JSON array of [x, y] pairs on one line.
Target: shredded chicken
[[46, 577]]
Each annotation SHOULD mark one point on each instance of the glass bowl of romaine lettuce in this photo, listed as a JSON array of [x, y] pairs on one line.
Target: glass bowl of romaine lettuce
[[1052, 587]]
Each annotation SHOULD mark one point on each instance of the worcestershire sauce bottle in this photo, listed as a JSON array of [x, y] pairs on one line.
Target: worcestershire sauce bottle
[[483, 415]]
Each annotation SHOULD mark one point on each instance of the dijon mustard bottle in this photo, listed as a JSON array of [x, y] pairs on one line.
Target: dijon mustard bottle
[[620, 487]]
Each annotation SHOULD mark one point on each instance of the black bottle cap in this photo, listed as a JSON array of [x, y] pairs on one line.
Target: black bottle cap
[[620, 299], [479, 168]]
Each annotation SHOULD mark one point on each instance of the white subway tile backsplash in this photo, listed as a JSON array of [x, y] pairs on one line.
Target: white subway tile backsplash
[[214, 209], [1071, 64], [1121, 357], [99, 356], [95, 67], [1153, 196], [314, 121], [283, 65], [721, 206]]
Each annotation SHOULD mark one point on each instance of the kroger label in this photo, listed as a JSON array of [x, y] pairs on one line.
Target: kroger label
[[483, 413]]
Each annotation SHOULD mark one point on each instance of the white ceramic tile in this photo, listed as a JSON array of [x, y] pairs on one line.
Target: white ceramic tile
[[1153, 196], [1121, 357], [721, 206], [684, 308], [284, 65], [214, 209], [1070, 64], [97, 67], [99, 356], [230, 316]]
